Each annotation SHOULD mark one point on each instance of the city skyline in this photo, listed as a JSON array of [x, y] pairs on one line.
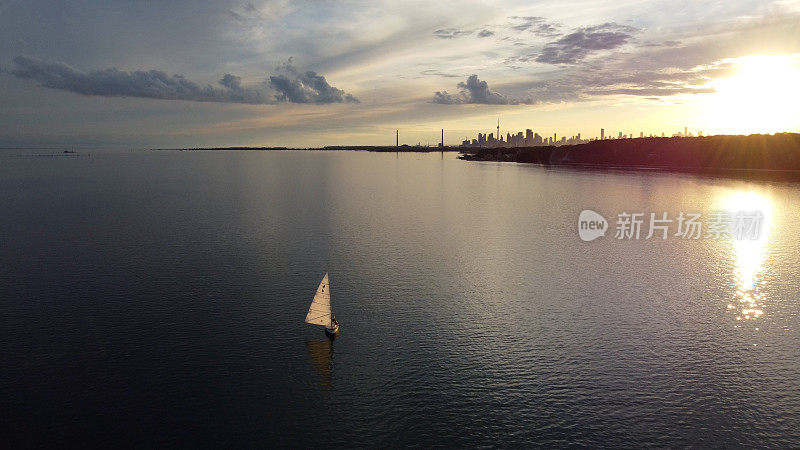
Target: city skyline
[[303, 74], [531, 138]]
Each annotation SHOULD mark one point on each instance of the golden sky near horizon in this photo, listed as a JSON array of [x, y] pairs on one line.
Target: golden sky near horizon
[[307, 73]]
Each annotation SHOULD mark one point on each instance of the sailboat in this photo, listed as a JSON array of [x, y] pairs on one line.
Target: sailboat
[[319, 313]]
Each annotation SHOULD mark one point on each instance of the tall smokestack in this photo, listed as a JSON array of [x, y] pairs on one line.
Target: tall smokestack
[[442, 137], [397, 138]]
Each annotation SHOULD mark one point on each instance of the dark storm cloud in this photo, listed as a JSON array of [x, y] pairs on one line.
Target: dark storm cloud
[[295, 86], [298, 87], [475, 91], [574, 47], [485, 33]]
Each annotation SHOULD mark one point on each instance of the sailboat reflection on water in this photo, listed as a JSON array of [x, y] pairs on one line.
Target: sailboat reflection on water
[[321, 352]]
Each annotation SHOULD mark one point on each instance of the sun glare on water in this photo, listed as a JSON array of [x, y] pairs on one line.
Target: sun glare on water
[[762, 96], [750, 297]]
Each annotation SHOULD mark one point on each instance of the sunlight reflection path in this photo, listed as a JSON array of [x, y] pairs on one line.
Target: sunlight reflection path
[[750, 297]]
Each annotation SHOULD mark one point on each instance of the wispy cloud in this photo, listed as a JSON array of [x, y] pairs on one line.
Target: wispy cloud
[[586, 81], [539, 26], [621, 78], [248, 13], [451, 33], [439, 73]]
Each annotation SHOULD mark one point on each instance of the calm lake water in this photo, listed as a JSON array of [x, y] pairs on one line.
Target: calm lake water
[[157, 298]]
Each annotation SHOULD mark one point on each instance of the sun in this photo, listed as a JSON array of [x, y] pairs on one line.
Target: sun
[[762, 96]]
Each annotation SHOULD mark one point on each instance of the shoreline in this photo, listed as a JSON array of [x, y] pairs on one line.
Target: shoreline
[[368, 148], [771, 157]]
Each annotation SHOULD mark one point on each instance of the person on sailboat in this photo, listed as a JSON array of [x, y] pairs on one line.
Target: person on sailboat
[[334, 323]]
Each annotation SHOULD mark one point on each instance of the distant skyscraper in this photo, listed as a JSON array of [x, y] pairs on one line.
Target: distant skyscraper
[[528, 139], [685, 131]]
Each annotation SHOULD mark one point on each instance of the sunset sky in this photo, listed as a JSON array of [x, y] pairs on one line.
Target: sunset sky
[[309, 73]]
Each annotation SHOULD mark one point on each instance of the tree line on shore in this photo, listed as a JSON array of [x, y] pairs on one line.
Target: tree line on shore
[[753, 154]]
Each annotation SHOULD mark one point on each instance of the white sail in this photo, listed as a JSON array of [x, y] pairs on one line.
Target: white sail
[[320, 311]]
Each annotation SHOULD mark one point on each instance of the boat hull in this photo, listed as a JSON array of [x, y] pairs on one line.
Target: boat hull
[[332, 332]]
